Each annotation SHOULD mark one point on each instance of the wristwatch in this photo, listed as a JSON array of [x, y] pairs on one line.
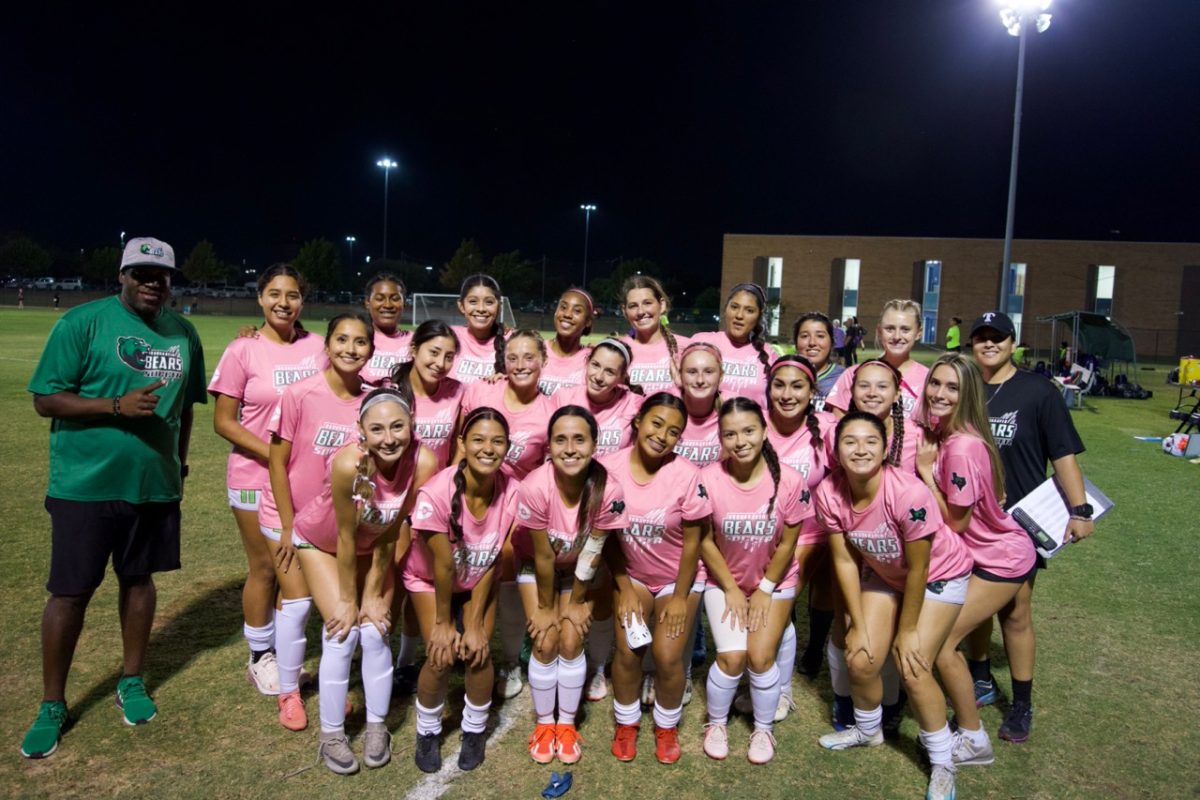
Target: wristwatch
[[1083, 511]]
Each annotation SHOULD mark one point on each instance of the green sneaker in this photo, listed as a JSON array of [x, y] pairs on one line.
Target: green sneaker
[[42, 738], [133, 700]]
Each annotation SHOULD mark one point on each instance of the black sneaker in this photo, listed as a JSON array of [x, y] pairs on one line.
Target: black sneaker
[[1017, 723], [428, 754], [404, 679], [809, 664], [892, 716], [473, 751]]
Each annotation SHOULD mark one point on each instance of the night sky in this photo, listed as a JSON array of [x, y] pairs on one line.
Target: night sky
[[259, 129]]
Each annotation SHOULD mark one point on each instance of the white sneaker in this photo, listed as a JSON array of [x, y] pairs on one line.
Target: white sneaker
[[597, 688], [851, 737], [965, 753], [264, 673], [648, 693], [687, 690], [716, 741], [762, 746], [742, 704], [785, 707], [508, 681], [941, 784]]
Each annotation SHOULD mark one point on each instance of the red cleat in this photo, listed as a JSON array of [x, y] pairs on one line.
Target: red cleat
[[624, 745], [666, 745]]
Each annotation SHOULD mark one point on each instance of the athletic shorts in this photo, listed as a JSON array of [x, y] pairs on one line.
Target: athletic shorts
[[668, 590], [953, 591], [140, 539], [244, 499], [983, 574], [564, 577], [727, 638]]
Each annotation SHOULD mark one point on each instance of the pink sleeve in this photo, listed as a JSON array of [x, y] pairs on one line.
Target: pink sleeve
[[509, 515], [431, 511], [695, 503], [839, 396], [916, 513], [285, 419], [229, 378], [611, 516], [470, 396], [825, 507], [533, 509], [958, 476], [797, 505]]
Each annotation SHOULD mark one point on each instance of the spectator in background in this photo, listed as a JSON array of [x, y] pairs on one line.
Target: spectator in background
[[20, 298], [57, 300], [839, 338], [954, 335]]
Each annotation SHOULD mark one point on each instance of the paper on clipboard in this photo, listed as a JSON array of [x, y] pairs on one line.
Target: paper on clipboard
[[1045, 511]]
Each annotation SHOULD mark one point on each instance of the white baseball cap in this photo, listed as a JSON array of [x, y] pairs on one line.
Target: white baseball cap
[[146, 251]]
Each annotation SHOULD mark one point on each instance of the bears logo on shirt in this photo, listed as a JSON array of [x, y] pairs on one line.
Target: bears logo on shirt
[[958, 480], [916, 514], [136, 353]]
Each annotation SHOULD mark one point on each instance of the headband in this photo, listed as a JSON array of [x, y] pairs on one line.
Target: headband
[[384, 397], [587, 297], [619, 346], [710, 347], [753, 288], [782, 362]]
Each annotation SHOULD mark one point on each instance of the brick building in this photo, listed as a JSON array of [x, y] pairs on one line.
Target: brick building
[[1153, 289]]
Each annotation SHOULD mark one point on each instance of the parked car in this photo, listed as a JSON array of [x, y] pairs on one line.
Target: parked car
[[70, 284], [44, 283]]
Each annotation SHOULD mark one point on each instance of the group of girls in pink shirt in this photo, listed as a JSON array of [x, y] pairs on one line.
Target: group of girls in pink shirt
[[464, 478]]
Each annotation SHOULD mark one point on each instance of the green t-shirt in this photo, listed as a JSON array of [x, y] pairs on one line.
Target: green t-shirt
[[103, 349], [952, 338]]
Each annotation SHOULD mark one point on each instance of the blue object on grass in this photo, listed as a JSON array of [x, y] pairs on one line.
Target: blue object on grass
[[558, 786]]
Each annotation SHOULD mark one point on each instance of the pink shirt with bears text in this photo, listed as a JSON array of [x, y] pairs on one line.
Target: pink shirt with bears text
[[540, 507], [912, 384], [390, 350], [474, 359], [700, 442], [651, 365], [613, 419], [526, 428], [435, 416], [743, 372], [563, 372], [810, 459]]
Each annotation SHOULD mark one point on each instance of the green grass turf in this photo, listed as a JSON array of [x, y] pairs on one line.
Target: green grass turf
[[1116, 696]]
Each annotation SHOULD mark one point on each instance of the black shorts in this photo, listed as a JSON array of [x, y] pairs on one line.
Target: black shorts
[[980, 572], [141, 539]]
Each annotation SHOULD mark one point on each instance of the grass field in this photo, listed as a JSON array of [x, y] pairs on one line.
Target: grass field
[[1116, 695]]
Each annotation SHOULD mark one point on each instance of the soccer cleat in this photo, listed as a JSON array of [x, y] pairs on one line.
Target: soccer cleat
[[966, 754], [132, 699], [473, 751], [335, 750], [43, 736], [687, 690], [851, 737], [508, 681], [566, 744], [648, 693], [1017, 723], [624, 743], [716, 741], [786, 705], [986, 692], [428, 755], [291, 711], [541, 743], [377, 745], [941, 784], [843, 712], [666, 745], [264, 673], [404, 679], [762, 746], [597, 688]]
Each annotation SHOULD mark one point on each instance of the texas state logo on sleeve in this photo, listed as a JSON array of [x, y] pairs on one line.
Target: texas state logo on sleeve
[[136, 353], [916, 514]]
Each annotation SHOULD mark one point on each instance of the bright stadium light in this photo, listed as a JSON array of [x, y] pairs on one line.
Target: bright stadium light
[[388, 165], [587, 209], [1014, 13]]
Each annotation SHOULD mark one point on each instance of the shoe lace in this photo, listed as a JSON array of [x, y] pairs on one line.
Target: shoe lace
[[56, 712], [133, 689], [665, 733], [717, 728], [567, 736], [759, 734], [542, 734]]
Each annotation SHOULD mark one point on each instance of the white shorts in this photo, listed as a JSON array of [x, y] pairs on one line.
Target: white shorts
[[564, 577], [244, 499], [952, 592], [728, 638], [274, 534], [667, 590]]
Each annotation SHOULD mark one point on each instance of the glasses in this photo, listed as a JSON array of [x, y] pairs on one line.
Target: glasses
[[150, 275]]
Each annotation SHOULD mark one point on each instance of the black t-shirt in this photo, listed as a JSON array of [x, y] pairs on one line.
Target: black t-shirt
[[1031, 426]]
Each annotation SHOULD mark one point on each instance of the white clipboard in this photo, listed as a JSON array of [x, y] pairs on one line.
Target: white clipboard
[[1045, 511]]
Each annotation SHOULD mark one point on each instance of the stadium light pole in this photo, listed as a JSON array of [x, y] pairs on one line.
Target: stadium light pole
[[1017, 16], [587, 209], [350, 240], [388, 165], [122, 241]]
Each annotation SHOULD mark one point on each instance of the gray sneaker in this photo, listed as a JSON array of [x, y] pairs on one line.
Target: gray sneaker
[[967, 754], [335, 749], [941, 784], [377, 745], [851, 737]]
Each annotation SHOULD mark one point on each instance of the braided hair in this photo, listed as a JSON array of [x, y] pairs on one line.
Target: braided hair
[[735, 405], [810, 374], [476, 415], [619, 347], [896, 448], [758, 336], [660, 294], [497, 331], [426, 331], [591, 502]]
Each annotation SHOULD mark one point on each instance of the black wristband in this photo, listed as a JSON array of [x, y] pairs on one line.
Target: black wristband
[[117, 406]]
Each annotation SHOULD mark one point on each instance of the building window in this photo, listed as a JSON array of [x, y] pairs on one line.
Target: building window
[[850, 288], [930, 292], [773, 287], [1106, 278], [1012, 296]]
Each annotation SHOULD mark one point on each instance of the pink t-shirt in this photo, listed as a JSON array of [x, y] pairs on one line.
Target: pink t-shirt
[[390, 350], [317, 521], [903, 511], [256, 371], [651, 367], [744, 533], [435, 416], [700, 442], [612, 419], [811, 460], [478, 547], [526, 428], [912, 384], [563, 372], [318, 423], [743, 372], [540, 507], [997, 543], [652, 542], [475, 359]]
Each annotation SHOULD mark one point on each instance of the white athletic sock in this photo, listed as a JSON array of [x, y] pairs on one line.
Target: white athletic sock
[[764, 695], [599, 643], [668, 717], [376, 672], [939, 744], [572, 674], [512, 621], [891, 681], [474, 718], [543, 683], [334, 679], [259, 639], [429, 720], [839, 673], [868, 722], [627, 714], [720, 694], [408, 650], [785, 659], [290, 641], [976, 737]]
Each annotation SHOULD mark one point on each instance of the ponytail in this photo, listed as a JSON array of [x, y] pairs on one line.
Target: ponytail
[[896, 450], [498, 343], [772, 458], [591, 502], [460, 486]]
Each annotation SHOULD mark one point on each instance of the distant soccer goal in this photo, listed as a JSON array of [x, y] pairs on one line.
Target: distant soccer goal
[[445, 307]]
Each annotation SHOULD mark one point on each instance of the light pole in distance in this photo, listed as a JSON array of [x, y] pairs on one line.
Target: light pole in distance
[[587, 209], [388, 165]]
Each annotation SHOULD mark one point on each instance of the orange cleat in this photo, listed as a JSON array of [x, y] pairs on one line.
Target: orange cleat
[[624, 745], [666, 745], [541, 744]]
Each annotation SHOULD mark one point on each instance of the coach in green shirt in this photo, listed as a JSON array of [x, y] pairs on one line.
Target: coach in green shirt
[[954, 335], [118, 379]]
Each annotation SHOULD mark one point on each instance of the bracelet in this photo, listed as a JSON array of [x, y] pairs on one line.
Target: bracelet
[[767, 586], [117, 406]]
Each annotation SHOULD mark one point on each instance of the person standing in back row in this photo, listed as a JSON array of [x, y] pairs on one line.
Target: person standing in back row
[[118, 379]]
